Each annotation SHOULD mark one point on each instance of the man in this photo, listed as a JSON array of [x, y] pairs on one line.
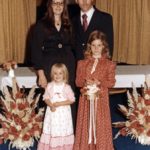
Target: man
[[94, 20]]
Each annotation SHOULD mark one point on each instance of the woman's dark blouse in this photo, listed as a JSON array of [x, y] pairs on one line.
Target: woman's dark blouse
[[50, 46]]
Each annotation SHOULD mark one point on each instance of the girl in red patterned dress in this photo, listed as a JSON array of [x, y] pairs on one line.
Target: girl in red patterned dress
[[57, 128], [95, 75]]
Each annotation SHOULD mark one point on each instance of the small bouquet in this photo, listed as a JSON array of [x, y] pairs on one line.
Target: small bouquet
[[91, 91], [137, 113], [20, 124]]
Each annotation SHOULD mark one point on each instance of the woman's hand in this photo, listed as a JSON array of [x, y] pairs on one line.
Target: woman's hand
[[42, 81]]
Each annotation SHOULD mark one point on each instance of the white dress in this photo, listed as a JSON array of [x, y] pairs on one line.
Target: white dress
[[58, 127]]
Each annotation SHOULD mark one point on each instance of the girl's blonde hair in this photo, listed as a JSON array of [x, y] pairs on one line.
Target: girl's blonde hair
[[97, 35], [64, 70]]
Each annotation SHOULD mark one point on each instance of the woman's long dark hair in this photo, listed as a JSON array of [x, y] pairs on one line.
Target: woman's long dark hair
[[49, 16]]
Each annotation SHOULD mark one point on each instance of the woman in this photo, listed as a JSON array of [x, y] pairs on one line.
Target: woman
[[52, 42]]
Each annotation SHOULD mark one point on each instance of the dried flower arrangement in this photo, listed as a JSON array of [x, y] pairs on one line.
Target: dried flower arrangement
[[9, 66], [20, 124], [138, 117]]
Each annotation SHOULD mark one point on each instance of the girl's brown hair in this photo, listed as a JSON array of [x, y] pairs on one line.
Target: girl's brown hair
[[64, 70], [94, 36]]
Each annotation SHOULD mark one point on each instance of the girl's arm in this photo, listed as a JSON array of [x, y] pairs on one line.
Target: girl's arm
[[52, 107], [109, 80], [47, 97], [63, 103], [48, 102]]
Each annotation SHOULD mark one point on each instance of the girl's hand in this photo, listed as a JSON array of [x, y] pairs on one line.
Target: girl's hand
[[92, 81], [53, 109], [96, 81], [56, 104], [89, 82]]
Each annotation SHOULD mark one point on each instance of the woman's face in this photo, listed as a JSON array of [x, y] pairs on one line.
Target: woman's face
[[96, 48], [58, 6]]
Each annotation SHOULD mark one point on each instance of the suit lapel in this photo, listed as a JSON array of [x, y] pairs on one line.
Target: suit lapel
[[79, 26]]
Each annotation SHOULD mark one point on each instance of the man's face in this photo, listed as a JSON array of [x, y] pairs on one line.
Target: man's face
[[85, 5]]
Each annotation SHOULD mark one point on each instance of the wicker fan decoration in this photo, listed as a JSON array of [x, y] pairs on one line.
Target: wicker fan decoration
[[137, 114], [20, 124]]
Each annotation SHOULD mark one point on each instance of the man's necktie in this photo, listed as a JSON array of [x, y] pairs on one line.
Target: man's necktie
[[85, 23]]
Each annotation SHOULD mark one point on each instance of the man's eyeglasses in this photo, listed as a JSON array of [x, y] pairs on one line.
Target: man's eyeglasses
[[57, 3]]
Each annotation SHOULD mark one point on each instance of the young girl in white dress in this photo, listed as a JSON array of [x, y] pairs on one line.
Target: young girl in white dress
[[58, 128]]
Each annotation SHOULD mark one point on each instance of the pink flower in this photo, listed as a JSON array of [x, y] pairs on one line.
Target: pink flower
[[147, 102], [26, 137], [17, 119], [33, 114], [1, 141], [21, 106], [12, 105], [147, 119], [132, 117], [5, 135], [39, 119], [123, 132], [19, 95], [148, 133]]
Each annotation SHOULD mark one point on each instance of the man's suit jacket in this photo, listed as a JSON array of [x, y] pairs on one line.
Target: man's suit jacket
[[100, 21]]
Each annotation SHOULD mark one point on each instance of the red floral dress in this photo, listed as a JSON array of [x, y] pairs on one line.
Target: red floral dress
[[105, 73]]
